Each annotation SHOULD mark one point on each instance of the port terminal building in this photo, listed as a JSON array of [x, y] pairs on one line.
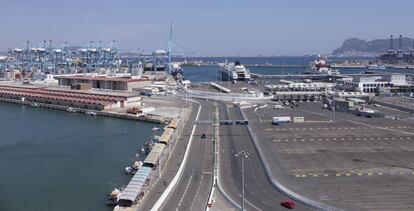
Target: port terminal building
[[371, 83], [68, 98], [127, 83]]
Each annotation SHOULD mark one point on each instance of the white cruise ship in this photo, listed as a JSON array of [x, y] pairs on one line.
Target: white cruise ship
[[234, 72]]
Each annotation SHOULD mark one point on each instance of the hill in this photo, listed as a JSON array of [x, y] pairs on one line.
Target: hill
[[359, 47]]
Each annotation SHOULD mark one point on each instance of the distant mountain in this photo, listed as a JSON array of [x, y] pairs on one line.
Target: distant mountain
[[358, 47]]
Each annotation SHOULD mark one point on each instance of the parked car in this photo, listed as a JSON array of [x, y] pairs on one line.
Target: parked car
[[203, 136]]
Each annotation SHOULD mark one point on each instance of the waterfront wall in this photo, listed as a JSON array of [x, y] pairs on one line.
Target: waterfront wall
[[144, 118]]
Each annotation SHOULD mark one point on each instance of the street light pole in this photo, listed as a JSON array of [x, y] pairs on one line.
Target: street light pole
[[243, 155]]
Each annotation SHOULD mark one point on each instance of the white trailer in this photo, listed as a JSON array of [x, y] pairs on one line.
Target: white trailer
[[281, 119]]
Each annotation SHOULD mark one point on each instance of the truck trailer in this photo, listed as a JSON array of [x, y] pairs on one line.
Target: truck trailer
[[281, 119]]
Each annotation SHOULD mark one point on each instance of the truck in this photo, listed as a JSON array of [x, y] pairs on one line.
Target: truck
[[280, 119]]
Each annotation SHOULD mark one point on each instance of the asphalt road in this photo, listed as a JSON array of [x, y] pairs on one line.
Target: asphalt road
[[259, 192], [172, 165], [193, 188]]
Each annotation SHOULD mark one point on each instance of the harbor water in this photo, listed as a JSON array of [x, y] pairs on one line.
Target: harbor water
[[210, 73], [54, 160]]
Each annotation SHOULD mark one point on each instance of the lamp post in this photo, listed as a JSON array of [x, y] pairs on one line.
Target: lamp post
[[243, 155]]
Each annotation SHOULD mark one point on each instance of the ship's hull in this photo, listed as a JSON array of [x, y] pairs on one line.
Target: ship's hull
[[227, 75]]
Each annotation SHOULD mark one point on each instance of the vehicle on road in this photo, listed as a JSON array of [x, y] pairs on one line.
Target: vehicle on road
[[288, 204], [203, 136], [281, 119], [278, 106]]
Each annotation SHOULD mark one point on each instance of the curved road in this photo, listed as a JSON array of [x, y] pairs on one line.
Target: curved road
[[193, 188], [259, 192]]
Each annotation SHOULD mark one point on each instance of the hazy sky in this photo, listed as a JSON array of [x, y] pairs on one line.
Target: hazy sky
[[244, 27]]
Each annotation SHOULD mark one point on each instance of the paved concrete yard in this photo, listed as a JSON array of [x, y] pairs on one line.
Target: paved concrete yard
[[355, 163]]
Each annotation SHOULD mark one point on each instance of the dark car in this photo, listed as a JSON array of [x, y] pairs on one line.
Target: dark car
[[288, 204], [203, 136]]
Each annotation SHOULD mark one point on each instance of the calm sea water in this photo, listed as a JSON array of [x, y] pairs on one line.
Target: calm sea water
[[198, 74], [54, 160]]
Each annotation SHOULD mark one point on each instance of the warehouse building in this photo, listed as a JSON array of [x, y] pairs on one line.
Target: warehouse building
[[69, 98], [370, 83], [104, 82]]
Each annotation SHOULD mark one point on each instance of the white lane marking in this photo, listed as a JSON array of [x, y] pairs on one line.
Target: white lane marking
[[185, 192], [198, 190]]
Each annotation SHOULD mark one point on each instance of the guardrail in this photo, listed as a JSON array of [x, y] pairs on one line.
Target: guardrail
[[299, 198], [177, 177]]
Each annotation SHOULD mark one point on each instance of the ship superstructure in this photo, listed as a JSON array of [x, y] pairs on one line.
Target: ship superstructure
[[234, 72]]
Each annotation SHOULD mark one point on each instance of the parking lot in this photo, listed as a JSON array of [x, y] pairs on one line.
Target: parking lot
[[350, 162]]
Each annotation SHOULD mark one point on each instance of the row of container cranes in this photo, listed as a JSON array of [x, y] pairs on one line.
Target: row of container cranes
[[398, 56], [60, 58]]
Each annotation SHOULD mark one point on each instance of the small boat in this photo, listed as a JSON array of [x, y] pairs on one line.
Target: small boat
[[155, 128], [137, 165], [376, 67], [142, 150], [34, 104], [90, 113], [148, 147], [134, 168], [130, 170], [112, 199], [71, 110]]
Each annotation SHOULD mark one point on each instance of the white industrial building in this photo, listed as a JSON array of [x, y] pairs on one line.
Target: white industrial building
[[294, 86], [369, 83]]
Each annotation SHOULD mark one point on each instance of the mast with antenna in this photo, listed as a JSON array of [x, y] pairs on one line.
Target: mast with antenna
[[170, 49]]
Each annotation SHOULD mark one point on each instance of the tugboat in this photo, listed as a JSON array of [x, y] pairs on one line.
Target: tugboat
[[112, 199]]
